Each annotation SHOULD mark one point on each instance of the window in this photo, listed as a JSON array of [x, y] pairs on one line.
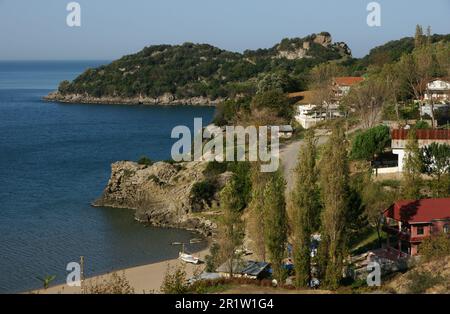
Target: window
[[446, 228], [420, 231]]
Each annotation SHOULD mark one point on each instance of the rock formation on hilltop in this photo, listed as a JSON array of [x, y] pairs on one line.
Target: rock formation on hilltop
[[311, 46]]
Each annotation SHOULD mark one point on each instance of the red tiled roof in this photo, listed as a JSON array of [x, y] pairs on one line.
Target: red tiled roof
[[348, 80], [426, 134], [424, 210]]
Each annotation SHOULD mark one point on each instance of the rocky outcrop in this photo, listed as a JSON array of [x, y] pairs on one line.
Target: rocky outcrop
[[301, 47], [160, 194], [323, 40], [298, 53], [166, 99], [344, 48]]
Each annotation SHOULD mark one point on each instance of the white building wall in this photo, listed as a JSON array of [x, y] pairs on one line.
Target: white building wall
[[401, 157]]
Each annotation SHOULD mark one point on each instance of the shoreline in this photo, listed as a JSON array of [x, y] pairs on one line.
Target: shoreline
[[144, 279], [133, 101]]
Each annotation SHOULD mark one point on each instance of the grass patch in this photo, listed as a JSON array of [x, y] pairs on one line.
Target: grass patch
[[391, 183], [367, 241]]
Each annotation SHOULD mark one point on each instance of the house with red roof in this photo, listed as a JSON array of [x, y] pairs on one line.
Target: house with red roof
[[409, 222], [309, 113], [342, 85]]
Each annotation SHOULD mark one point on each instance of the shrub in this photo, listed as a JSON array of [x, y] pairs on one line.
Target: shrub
[[215, 168], [144, 160], [113, 284], [203, 191], [435, 247], [421, 281], [422, 125], [175, 281]]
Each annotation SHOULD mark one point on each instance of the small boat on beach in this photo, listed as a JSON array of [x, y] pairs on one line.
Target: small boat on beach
[[188, 258]]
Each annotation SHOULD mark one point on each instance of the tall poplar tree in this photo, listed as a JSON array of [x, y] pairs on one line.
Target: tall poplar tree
[[256, 221], [275, 217], [305, 209], [231, 227], [335, 191]]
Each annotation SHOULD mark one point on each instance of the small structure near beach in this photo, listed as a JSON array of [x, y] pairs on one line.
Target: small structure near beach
[[247, 269]]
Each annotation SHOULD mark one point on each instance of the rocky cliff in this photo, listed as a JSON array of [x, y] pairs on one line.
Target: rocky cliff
[[160, 194]]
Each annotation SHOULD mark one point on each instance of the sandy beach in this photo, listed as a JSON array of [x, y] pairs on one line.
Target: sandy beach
[[144, 279]]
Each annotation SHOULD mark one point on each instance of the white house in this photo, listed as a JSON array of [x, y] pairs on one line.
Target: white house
[[438, 90], [309, 115], [424, 137]]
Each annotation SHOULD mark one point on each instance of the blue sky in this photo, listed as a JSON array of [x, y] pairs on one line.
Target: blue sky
[[36, 29]]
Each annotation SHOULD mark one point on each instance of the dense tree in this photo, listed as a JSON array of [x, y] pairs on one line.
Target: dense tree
[[228, 112], [305, 210], [371, 142], [275, 101], [280, 81], [436, 163], [335, 190]]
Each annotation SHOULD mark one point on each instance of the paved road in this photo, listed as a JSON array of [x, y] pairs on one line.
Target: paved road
[[289, 157], [289, 154]]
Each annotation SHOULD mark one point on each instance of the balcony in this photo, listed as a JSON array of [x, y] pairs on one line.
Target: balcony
[[403, 234]]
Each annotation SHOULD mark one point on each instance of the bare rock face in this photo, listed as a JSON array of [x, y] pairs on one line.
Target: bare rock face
[[300, 49], [160, 194], [298, 53], [324, 40]]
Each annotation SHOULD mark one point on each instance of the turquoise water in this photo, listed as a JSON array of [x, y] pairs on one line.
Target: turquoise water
[[55, 160]]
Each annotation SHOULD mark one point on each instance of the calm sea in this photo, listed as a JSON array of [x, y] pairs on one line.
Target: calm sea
[[55, 159]]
